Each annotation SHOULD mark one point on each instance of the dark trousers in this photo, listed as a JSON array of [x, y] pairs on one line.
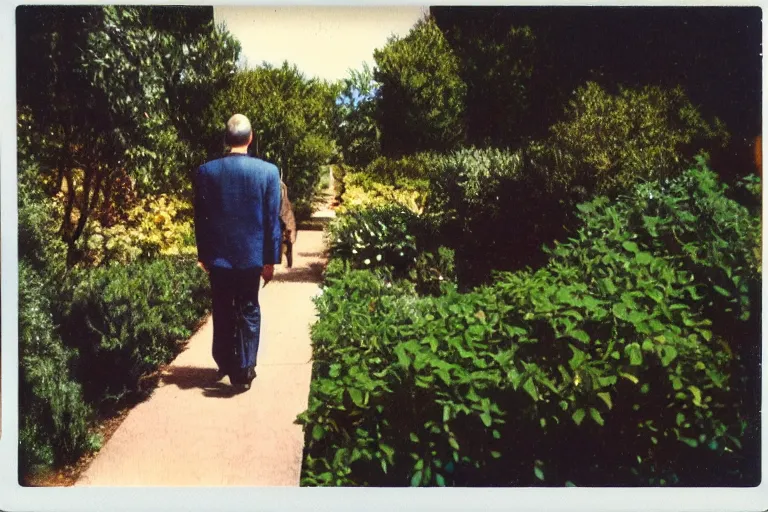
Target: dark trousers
[[236, 318]]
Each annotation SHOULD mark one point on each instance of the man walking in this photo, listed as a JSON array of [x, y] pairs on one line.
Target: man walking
[[237, 228]]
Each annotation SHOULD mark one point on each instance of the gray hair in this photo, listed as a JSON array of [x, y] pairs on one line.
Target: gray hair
[[238, 131]]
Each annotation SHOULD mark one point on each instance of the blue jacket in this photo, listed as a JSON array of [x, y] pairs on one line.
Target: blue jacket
[[237, 212]]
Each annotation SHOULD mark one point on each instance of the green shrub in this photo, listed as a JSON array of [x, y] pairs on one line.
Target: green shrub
[[617, 140], [39, 244], [492, 211], [375, 237], [602, 368], [434, 270], [292, 118], [53, 418], [420, 95], [126, 320], [419, 166]]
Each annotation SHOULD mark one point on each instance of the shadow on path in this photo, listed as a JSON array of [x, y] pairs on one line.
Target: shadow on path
[[313, 273], [188, 377]]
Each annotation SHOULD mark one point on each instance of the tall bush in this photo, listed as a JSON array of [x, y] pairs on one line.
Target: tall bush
[[357, 131], [494, 210], [421, 95], [120, 92], [292, 119], [53, 416], [633, 135]]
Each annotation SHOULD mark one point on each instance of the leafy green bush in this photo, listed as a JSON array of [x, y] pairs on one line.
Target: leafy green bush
[[375, 237], [493, 211], [53, 417], [519, 383], [637, 134], [292, 118], [126, 320], [434, 270], [420, 99]]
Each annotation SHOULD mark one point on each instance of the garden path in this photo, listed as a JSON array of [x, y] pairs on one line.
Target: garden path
[[195, 432]]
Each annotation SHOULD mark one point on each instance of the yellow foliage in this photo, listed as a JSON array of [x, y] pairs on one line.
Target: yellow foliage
[[156, 225]]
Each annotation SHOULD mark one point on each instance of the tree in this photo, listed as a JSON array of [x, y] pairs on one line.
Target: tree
[[497, 64], [292, 120], [357, 131], [421, 97], [115, 92]]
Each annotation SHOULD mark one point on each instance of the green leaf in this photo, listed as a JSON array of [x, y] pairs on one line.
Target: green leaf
[[579, 415], [357, 396], [606, 397], [538, 472], [635, 354], [696, 392], [722, 291], [690, 442], [643, 258], [668, 354], [414, 437], [495, 454], [486, 419], [596, 416], [318, 432], [454, 444], [630, 246], [530, 388], [416, 479], [620, 311], [579, 334], [440, 480], [680, 419], [388, 450], [578, 357], [629, 376]]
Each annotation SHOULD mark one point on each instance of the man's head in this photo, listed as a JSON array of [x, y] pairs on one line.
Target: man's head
[[239, 132]]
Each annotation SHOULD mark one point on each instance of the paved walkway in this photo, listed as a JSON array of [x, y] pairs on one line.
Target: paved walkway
[[195, 432]]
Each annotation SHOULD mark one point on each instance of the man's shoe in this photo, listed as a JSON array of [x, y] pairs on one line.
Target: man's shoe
[[244, 383], [220, 374]]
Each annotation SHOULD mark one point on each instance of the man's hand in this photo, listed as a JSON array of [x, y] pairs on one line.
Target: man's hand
[[202, 266], [267, 273]]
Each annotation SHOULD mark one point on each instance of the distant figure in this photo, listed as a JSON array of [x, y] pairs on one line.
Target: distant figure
[[237, 229], [287, 223]]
